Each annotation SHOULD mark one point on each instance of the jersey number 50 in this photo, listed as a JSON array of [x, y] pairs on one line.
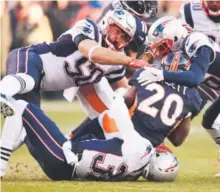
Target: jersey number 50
[[146, 106]]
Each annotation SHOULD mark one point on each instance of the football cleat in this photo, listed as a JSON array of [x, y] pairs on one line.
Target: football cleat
[[7, 109]]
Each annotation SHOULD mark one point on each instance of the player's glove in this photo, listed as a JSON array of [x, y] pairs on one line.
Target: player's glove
[[150, 75], [138, 63]]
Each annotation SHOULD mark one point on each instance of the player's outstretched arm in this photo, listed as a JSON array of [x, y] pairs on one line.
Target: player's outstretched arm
[[95, 53]]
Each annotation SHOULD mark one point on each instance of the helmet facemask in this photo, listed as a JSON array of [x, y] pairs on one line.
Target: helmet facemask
[[116, 38], [161, 48]]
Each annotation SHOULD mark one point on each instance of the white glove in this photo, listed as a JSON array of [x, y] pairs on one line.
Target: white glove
[[150, 75], [71, 157]]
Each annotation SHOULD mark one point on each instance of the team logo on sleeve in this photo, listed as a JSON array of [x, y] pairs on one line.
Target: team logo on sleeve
[[193, 46], [87, 28]]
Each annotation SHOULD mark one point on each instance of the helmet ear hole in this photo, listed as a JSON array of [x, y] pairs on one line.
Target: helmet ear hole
[[175, 38]]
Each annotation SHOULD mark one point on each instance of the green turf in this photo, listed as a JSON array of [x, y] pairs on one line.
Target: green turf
[[197, 158]]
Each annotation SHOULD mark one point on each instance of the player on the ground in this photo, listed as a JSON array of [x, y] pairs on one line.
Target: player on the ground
[[87, 157], [80, 56], [205, 17]]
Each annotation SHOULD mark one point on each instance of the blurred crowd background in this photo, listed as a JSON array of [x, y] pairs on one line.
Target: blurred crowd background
[[29, 22]]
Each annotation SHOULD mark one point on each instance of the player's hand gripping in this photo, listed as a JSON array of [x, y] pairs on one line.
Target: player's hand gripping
[[138, 63], [150, 75]]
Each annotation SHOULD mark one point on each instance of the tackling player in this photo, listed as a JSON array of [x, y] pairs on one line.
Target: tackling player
[[167, 35], [96, 98], [205, 17]]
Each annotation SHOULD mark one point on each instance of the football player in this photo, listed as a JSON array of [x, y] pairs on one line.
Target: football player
[[205, 17], [87, 157], [168, 34], [82, 55], [92, 97]]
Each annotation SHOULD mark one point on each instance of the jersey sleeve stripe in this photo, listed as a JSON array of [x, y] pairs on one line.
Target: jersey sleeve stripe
[[188, 14]]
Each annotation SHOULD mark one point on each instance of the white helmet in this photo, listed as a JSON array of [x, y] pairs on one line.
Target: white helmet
[[123, 20], [165, 35], [163, 167]]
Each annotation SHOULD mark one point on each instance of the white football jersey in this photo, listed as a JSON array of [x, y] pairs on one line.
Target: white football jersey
[[192, 14], [65, 68], [95, 165]]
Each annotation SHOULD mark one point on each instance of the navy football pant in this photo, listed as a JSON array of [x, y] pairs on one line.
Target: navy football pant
[[25, 60]]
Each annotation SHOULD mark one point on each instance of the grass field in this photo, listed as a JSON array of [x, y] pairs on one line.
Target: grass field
[[197, 158]]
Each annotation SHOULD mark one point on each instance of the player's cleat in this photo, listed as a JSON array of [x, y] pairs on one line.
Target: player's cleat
[[7, 109]]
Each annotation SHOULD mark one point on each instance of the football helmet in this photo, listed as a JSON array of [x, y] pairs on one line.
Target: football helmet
[[144, 9], [163, 167], [175, 62], [119, 19], [165, 35]]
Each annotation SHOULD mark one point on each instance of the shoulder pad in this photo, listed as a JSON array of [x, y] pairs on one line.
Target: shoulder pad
[[196, 40], [84, 27]]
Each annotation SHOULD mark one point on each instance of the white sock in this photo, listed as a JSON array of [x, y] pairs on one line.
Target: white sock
[[11, 132], [134, 146], [19, 83], [119, 112], [10, 85]]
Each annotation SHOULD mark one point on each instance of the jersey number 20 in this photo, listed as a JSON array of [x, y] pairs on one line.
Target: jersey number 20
[[146, 106]]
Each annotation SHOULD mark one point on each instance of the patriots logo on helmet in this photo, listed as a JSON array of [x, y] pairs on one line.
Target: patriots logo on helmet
[[159, 29]]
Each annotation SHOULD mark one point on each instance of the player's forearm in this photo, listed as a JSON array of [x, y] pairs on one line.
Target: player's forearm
[[197, 71], [106, 56], [187, 78], [102, 55]]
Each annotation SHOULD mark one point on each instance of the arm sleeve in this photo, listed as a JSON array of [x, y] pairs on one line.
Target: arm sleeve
[[195, 75]]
